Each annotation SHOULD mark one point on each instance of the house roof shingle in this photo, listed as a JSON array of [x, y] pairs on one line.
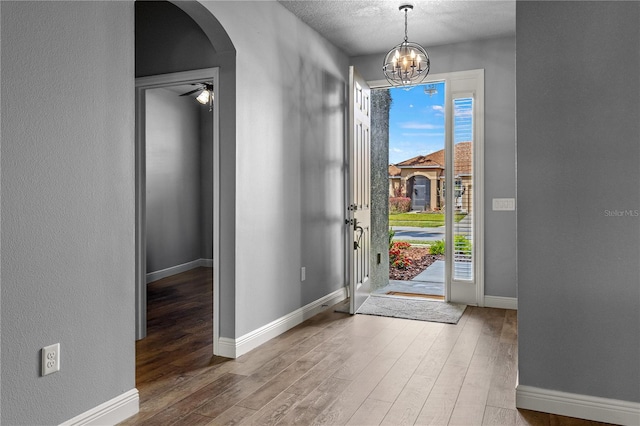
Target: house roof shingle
[[394, 171]]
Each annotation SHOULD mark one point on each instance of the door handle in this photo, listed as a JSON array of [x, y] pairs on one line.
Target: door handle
[[360, 230]]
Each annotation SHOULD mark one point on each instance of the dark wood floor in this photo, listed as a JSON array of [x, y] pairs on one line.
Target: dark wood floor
[[334, 369]]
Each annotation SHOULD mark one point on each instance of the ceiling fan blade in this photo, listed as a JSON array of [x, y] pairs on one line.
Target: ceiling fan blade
[[192, 92]]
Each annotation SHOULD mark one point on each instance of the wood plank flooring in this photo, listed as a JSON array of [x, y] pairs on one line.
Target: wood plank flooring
[[334, 369]]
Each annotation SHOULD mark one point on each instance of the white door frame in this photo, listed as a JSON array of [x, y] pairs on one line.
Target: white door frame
[[152, 82], [477, 76]]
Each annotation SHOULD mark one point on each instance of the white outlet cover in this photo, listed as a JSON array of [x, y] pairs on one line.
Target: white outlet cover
[[50, 359]]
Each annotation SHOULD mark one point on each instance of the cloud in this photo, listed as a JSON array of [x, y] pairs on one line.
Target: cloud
[[399, 151], [438, 108], [420, 126], [422, 134]]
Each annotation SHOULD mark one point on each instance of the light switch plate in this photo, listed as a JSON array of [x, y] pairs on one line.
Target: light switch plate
[[504, 204]]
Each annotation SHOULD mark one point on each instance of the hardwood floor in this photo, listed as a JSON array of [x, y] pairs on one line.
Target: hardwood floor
[[334, 369]]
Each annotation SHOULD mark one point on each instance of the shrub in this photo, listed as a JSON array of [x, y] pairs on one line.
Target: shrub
[[437, 247], [402, 245], [391, 235], [397, 257], [399, 204], [461, 245]]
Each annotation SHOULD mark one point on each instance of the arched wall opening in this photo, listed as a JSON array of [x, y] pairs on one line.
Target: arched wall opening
[[183, 36]]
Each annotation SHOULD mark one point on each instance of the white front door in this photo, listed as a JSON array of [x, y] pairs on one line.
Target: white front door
[[359, 191]]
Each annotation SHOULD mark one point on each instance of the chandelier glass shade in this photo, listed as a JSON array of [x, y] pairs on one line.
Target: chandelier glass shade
[[407, 63]]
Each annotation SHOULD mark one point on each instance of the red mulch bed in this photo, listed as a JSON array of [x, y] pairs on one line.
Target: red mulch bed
[[420, 260]]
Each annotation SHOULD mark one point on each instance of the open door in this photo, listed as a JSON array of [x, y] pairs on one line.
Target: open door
[[359, 191], [142, 85]]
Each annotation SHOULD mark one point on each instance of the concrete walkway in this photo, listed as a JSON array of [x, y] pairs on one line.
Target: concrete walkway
[[430, 281]]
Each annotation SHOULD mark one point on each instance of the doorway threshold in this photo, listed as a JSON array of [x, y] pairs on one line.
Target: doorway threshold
[[420, 295], [412, 288]]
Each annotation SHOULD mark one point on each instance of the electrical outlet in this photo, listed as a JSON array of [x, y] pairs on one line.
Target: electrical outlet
[[303, 273], [50, 359]]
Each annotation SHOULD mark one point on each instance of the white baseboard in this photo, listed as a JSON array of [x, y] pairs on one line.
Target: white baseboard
[[226, 347], [581, 406], [233, 348], [206, 263], [163, 273], [501, 302], [111, 412]]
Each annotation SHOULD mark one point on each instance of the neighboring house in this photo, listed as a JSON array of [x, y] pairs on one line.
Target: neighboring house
[[422, 179], [395, 182]]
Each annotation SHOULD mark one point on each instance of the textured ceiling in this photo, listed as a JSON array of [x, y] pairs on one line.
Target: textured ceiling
[[368, 27]]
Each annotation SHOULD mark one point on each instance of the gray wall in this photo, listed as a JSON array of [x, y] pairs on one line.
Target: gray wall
[[578, 162], [282, 171], [497, 58], [67, 206], [168, 40], [206, 182], [174, 185], [170, 23], [290, 170]]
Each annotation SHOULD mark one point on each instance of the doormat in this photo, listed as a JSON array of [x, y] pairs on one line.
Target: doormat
[[415, 309]]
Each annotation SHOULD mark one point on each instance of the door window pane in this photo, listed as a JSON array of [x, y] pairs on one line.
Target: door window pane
[[463, 189]]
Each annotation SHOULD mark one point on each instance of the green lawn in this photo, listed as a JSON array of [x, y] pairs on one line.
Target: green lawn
[[420, 220]]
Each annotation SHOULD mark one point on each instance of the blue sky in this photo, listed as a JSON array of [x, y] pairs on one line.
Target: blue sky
[[416, 122]]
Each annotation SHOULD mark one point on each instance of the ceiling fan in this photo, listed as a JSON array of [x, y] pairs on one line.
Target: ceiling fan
[[206, 93]]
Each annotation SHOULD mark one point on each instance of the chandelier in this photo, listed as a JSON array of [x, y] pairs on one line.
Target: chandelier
[[407, 63]]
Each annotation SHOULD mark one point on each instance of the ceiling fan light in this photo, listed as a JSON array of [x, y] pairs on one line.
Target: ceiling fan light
[[203, 97]]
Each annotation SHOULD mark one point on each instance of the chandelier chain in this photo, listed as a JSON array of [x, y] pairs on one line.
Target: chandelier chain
[[408, 63], [406, 37]]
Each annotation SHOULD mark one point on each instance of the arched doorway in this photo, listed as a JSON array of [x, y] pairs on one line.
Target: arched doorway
[[161, 49], [419, 190]]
